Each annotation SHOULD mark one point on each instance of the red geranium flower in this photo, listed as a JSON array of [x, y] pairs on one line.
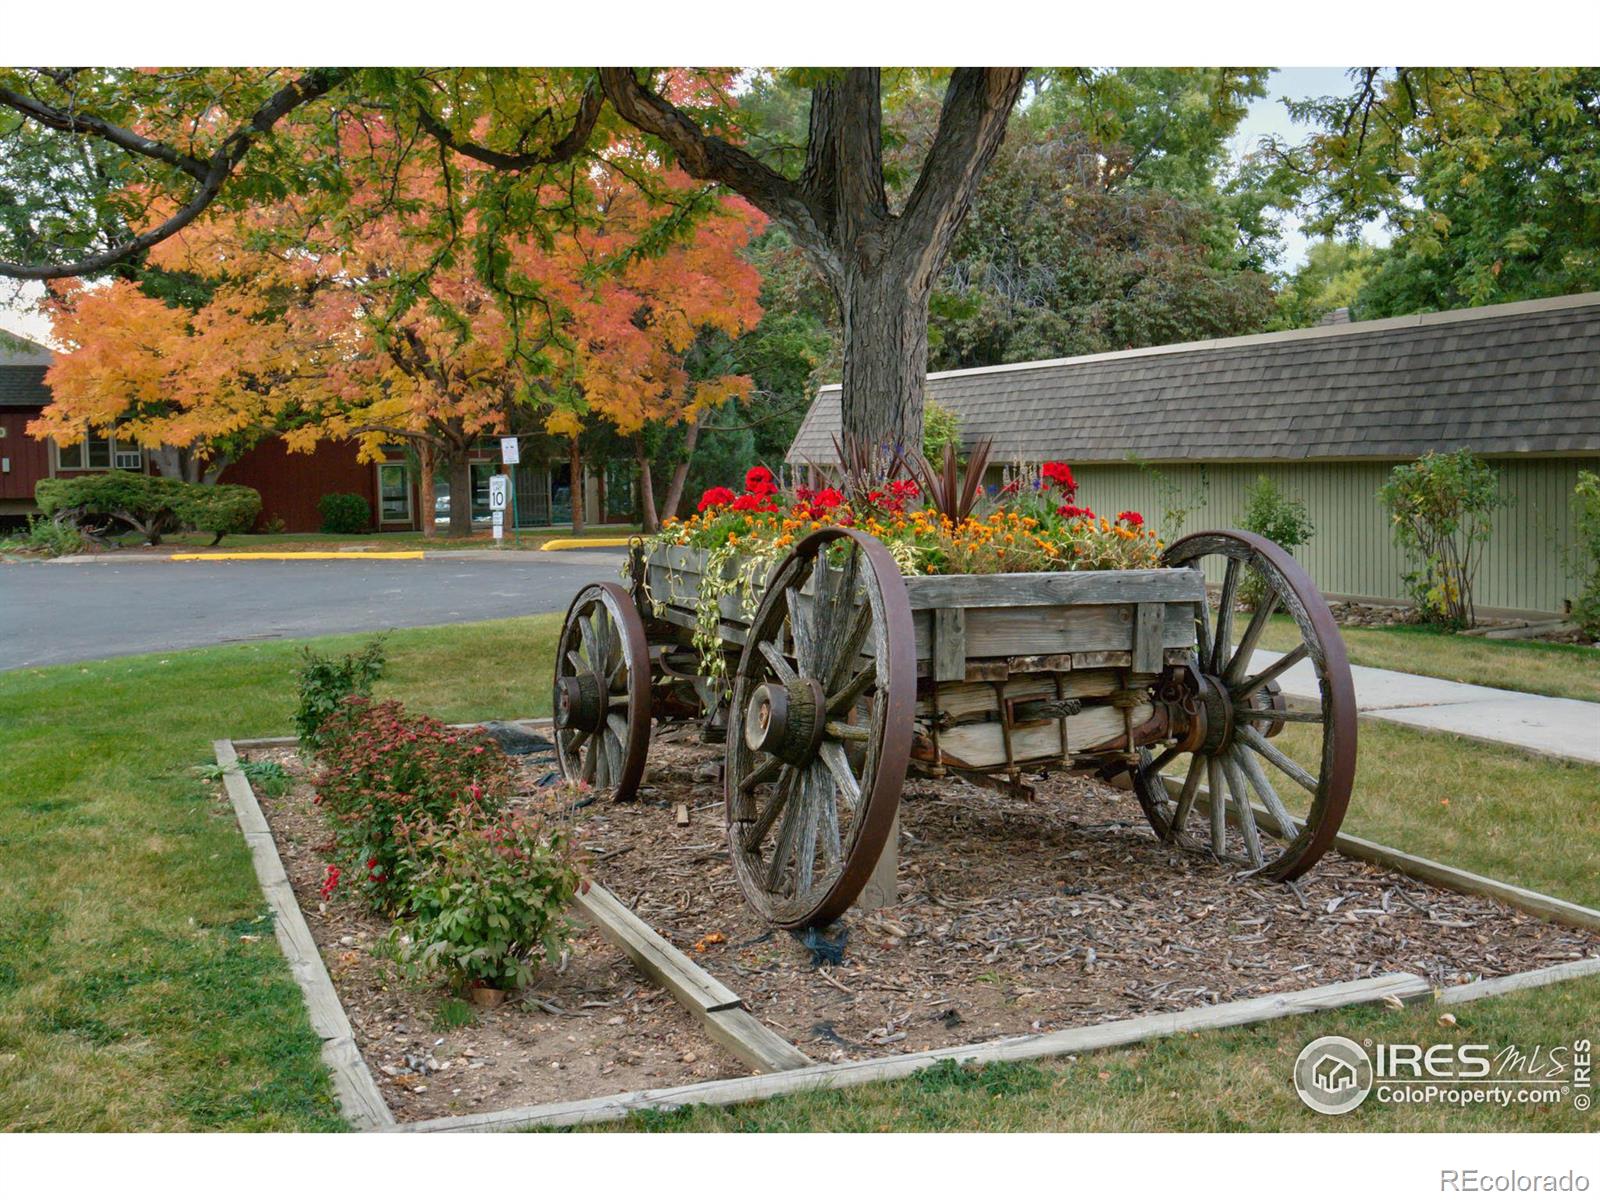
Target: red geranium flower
[[1060, 475], [754, 502], [1132, 518], [330, 882], [1072, 510], [826, 499], [715, 497], [905, 489], [758, 480]]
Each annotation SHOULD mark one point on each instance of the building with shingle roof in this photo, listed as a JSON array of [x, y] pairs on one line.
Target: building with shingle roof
[[1325, 412]]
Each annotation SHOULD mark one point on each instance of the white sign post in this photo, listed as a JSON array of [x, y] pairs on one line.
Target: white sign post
[[509, 453], [499, 490]]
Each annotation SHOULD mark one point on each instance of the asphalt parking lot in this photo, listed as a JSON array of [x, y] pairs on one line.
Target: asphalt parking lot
[[57, 612]]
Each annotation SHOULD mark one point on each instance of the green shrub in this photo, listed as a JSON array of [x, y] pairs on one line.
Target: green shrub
[[386, 778], [345, 512], [940, 428], [148, 503], [1277, 517], [1586, 562], [219, 508], [487, 900], [44, 537], [326, 682], [1443, 507]]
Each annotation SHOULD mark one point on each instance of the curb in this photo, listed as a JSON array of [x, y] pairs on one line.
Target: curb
[[261, 555], [584, 543]]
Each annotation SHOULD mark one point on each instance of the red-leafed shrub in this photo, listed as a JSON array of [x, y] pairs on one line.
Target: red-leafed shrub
[[385, 773]]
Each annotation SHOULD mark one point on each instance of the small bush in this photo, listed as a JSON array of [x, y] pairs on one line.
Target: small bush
[[1586, 561], [345, 512], [326, 682], [1443, 508], [1277, 517], [940, 428], [487, 899], [147, 503], [219, 508], [44, 537], [387, 779]]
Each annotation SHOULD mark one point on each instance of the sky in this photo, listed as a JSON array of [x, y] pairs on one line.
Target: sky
[[1267, 117]]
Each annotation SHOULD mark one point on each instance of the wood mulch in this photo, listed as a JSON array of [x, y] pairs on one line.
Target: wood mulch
[[1014, 917], [1018, 917], [588, 1027]]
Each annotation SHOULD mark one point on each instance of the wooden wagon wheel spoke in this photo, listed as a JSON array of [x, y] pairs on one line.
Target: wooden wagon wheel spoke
[[1259, 680], [1240, 662], [1233, 715], [780, 664], [1243, 816], [804, 845], [1288, 827], [1230, 587], [602, 691]]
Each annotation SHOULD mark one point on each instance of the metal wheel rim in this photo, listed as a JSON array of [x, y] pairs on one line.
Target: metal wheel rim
[[1324, 649], [627, 715], [887, 751]]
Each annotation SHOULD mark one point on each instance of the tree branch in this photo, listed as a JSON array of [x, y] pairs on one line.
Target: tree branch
[[211, 174], [568, 147]]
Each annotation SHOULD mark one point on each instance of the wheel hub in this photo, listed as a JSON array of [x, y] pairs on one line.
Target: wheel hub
[[579, 703], [1215, 715], [785, 721]]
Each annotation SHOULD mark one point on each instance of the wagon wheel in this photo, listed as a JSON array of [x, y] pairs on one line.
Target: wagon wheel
[[602, 692], [819, 728], [1242, 712]]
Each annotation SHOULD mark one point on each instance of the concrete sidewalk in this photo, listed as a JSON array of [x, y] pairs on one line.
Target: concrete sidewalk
[[1541, 724]]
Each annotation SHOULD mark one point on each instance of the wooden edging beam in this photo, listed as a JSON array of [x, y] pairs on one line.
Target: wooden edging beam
[[1549, 908], [839, 1075], [357, 1092], [717, 1007]]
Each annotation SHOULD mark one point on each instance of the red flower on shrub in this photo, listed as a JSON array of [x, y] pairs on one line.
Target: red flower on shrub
[[904, 489], [716, 497], [330, 881], [754, 502], [1072, 510], [759, 481], [1132, 518], [1059, 475]]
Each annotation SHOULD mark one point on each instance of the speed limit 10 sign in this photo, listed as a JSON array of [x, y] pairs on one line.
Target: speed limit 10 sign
[[499, 491]]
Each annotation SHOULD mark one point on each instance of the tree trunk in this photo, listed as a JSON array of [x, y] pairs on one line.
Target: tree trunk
[[680, 473], [647, 493], [885, 314], [460, 462], [427, 492], [579, 492]]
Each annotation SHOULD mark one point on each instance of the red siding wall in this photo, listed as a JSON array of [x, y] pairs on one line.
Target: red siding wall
[[291, 484], [30, 459]]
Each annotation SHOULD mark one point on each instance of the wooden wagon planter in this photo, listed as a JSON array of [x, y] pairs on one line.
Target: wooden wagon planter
[[848, 675]]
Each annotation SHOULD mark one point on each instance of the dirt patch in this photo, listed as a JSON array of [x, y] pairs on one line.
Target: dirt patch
[[1019, 916], [586, 1028]]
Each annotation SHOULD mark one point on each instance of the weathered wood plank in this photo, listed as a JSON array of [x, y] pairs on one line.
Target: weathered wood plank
[[949, 644], [1148, 627], [982, 743], [696, 989], [1035, 588], [361, 1102], [1054, 629], [839, 1075], [1550, 908], [1561, 973], [963, 701], [753, 1043]]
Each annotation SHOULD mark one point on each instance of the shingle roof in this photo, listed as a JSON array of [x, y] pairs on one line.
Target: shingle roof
[[22, 367], [1508, 378]]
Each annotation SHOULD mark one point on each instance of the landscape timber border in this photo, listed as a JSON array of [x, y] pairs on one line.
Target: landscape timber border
[[782, 1069]]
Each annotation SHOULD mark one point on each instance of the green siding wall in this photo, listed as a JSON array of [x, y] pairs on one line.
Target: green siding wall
[[1352, 553]]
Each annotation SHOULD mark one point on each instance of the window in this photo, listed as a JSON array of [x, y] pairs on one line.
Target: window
[[99, 454], [394, 494]]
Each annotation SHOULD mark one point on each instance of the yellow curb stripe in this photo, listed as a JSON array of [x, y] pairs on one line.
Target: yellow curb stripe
[[581, 543], [286, 554]]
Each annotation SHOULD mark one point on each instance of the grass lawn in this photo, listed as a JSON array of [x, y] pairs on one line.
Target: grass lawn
[[140, 986], [526, 539], [1544, 668]]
